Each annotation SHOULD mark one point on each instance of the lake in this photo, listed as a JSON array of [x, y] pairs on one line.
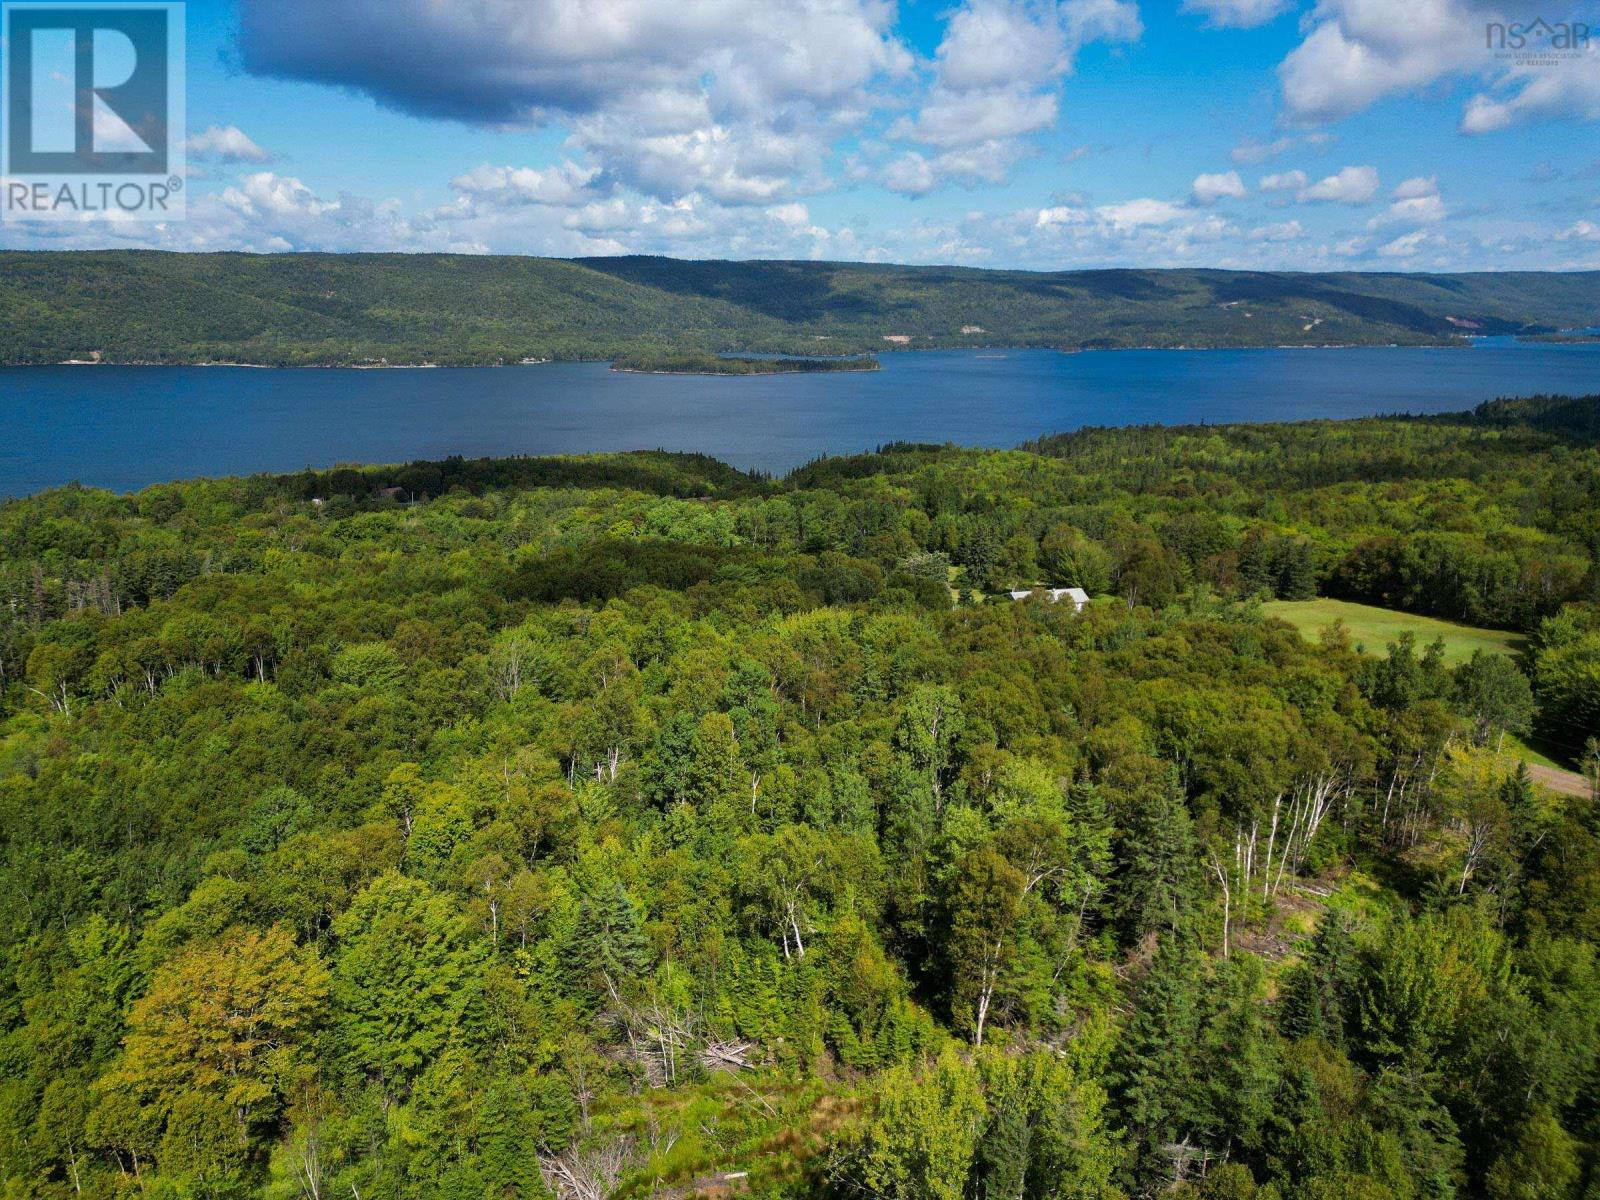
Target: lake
[[125, 427]]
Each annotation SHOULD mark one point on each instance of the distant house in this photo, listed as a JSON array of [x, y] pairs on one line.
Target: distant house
[[393, 493], [1077, 595]]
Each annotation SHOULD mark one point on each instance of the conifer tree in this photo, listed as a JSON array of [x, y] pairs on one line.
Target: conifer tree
[[1318, 991], [1156, 865], [1152, 1072]]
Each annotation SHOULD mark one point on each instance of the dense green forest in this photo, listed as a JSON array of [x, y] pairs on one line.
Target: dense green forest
[[629, 826], [306, 309]]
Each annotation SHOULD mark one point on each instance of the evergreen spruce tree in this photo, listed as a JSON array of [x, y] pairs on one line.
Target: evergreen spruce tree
[[1237, 1071], [1318, 991], [1152, 1070], [1156, 865], [611, 938]]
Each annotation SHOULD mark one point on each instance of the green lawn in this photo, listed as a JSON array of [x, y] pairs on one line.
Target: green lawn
[[1374, 628]]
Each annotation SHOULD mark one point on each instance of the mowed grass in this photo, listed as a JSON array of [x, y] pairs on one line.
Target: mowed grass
[[1372, 629]]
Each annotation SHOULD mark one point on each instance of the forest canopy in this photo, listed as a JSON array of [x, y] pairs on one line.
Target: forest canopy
[[628, 825]]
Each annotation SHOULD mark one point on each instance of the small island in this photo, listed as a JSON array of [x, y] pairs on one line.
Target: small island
[[697, 362]]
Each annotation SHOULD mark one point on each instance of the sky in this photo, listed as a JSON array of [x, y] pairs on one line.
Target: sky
[[1038, 134]]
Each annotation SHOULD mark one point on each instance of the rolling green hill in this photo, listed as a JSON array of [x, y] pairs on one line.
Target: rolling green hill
[[142, 306]]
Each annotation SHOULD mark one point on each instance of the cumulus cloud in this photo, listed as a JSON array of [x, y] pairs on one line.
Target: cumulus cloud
[[1409, 244], [1208, 189], [267, 211], [563, 185], [737, 99], [268, 194], [996, 77], [1417, 188], [1284, 181], [226, 143], [1131, 214], [1353, 185], [740, 101], [913, 173], [1415, 202], [1236, 14], [1286, 231], [1568, 87], [1357, 52]]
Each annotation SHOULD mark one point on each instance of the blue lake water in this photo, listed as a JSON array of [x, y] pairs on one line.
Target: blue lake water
[[125, 427]]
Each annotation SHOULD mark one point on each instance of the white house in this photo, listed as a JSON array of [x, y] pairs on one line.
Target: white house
[[1077, 595]]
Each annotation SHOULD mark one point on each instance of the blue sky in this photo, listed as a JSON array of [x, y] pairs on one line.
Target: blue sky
[[1344, 134]]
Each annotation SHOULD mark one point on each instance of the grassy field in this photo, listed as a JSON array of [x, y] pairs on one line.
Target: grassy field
[[1374, 628]]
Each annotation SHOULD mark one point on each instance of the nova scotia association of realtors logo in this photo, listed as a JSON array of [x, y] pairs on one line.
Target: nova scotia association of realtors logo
[[92, 112], [1539, 41]]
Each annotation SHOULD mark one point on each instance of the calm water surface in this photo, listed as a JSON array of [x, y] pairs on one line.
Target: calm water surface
[[124, 427]]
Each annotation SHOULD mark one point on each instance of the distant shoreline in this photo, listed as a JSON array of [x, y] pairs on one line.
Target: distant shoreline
[[1463, 343], [1459, 342], [329, 366]]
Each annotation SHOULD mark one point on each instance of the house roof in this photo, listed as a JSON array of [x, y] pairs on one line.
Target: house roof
[[1076, 594]]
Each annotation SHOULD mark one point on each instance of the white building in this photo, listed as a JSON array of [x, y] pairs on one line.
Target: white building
[[1077, 595]]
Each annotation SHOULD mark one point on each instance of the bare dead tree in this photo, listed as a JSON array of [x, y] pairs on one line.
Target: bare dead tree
[[587, 1173]]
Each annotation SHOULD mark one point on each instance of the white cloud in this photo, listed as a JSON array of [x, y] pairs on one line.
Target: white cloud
[[960, 118], [1248, 152], [996, 77], [1286, 231], [915, 173], [1418, 210], [563, 185], [271, 212], [1286, 181], [1061, 214], [1237, 14], [1408, 244], [1130, 214], [1208, 189], [277, 195], [911, 174], [1564, 88], [1353, 185], [737, 99], [670, 153], [1417, 188], [1358, 52], [227, 143], [1416, 202], [795, 216]]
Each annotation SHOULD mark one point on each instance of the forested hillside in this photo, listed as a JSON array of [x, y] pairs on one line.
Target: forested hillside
[[628, 826], [139, 306]]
